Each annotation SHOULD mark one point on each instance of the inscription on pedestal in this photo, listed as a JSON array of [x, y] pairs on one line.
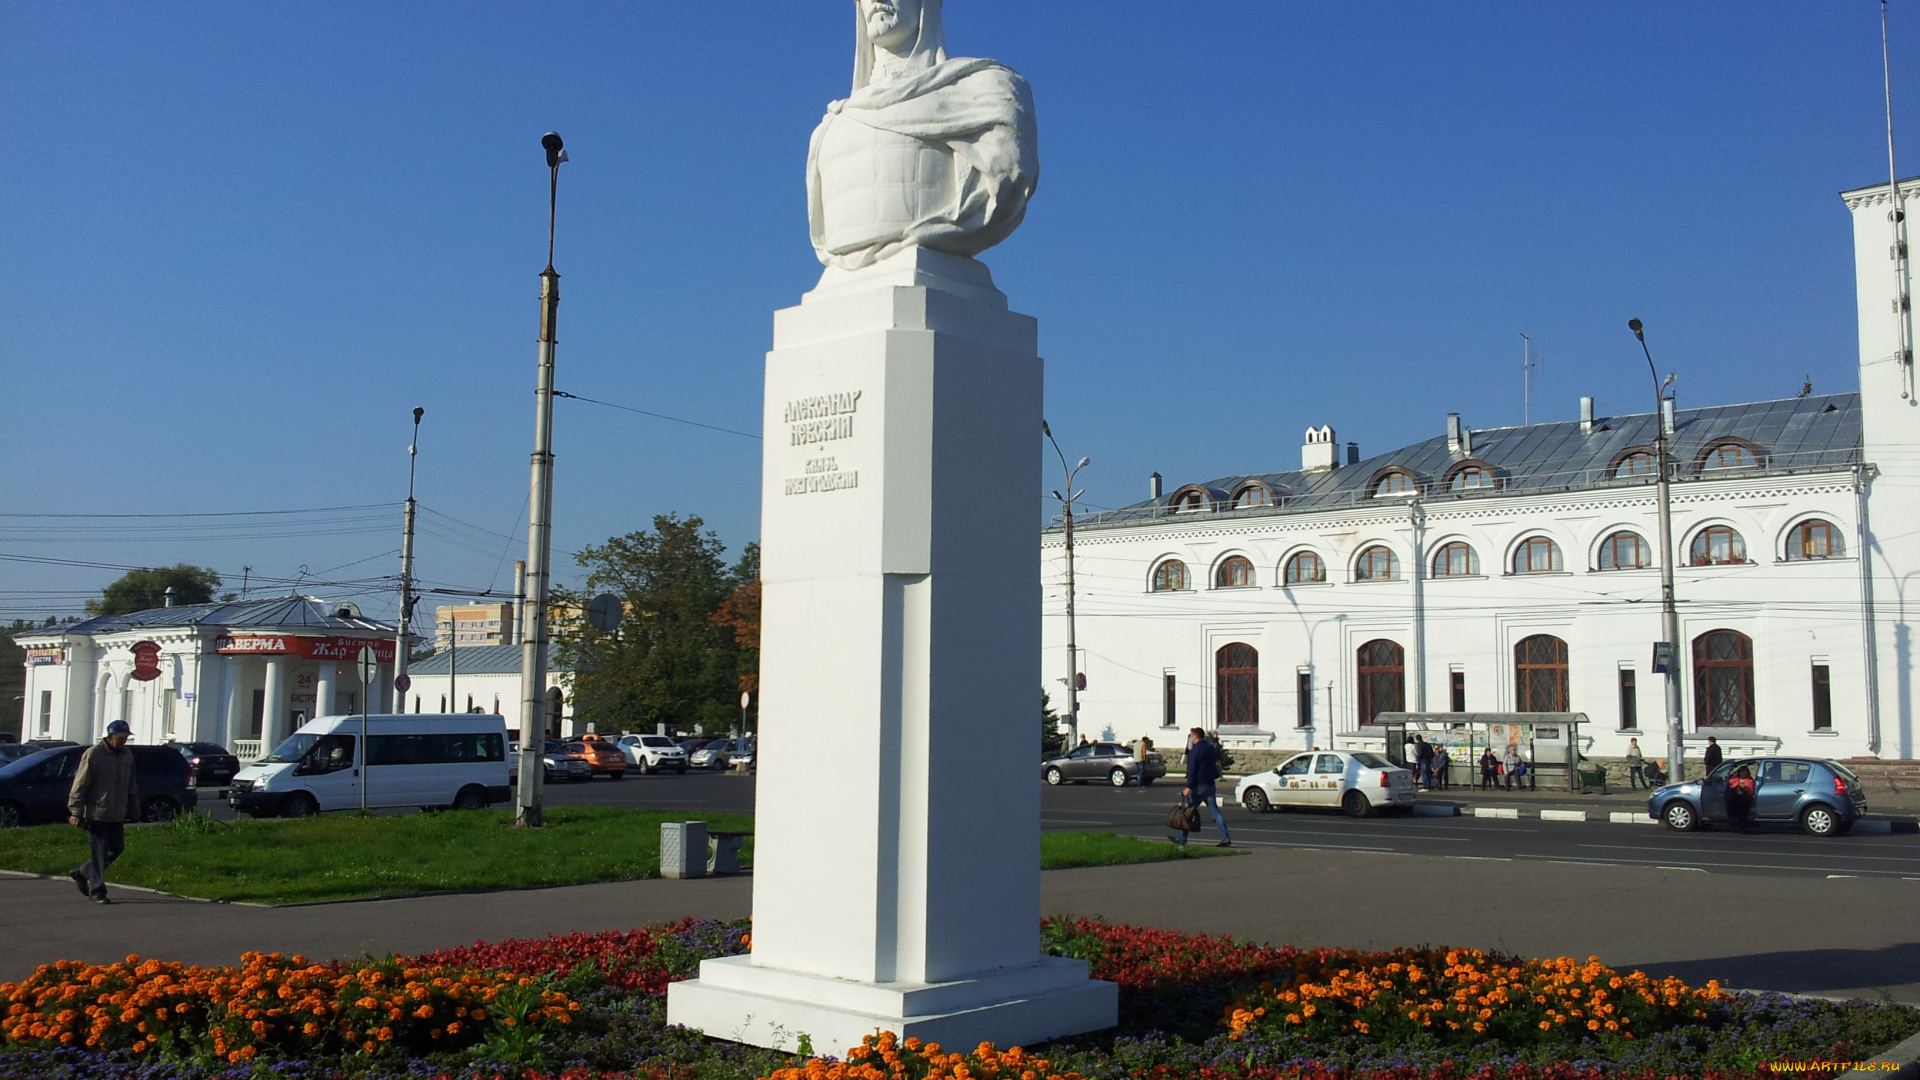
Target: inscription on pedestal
[[822, 418]]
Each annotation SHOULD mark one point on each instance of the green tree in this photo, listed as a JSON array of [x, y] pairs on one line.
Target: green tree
[[670, 659], [139, 590], [1053, 741], [13, 677]]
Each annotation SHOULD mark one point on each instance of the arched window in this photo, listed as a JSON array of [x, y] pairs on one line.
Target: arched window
[[1234, 572], [1814, 539], [1471, 478], [1455, 560], [1540, 674], [1394, 483], [1170, 576], [1305, 568], [1537, 555], [1638, 463], [1189, 499], [1625, 550], [1376, 564], [1723, 679], [1236, 684], [1252, 495], [1727, 455], [1381, 678], [1717, 545]]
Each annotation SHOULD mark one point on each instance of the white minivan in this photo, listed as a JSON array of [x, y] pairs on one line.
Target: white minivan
[[412, 759]]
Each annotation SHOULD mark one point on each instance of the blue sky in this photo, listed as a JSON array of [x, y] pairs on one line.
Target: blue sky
[[240, 242]]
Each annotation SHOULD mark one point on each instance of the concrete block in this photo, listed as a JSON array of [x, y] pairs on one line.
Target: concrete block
[[1625, 817], [1496, 812], [1563, 815]]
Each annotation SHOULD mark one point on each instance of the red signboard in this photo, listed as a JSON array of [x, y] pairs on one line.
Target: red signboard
[[146, 660], [312, 648]]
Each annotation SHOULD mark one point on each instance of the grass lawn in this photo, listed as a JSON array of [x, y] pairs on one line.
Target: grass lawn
[[1063, 850], [350, 856], [343, 856]]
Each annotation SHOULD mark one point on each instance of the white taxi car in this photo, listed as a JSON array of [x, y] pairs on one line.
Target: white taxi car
[[1358, 783]]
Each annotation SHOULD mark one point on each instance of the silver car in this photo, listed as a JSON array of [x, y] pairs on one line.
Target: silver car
[[1112, 762]]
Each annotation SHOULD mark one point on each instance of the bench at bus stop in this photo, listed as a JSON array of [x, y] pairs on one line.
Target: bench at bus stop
[[688, 849]]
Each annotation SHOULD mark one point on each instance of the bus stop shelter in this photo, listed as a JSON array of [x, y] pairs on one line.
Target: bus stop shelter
[[1549, 742]]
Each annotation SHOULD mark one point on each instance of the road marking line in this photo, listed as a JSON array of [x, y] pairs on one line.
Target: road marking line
[[1832, 877], [1735, 851], [1695, 869], [1600, 861], [1481, 858]]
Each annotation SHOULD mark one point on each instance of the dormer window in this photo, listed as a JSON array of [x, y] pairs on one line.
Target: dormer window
[[1252, 495], [1638, 463], [1188, 500], [1471, 478], [1395, 483], [1728, 455]]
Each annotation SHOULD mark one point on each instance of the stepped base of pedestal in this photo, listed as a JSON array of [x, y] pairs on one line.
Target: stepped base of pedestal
[[768, 1007]]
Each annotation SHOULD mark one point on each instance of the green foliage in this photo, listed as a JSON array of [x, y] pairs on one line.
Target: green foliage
[[674, 658], [139, 590], [1053, 741], [343, 856]]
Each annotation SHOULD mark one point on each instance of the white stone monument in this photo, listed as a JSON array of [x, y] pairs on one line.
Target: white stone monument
[[896, 859]]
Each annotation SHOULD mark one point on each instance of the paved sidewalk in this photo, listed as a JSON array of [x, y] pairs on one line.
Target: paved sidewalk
[[1855, 936]]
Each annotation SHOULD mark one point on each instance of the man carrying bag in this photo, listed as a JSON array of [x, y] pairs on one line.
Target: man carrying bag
[[104, 797], [1203, 770]]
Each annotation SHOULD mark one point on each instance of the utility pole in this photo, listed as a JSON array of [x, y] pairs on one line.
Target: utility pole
[[1897, 216], [1073, 650], [1669, 617], [533, 637], [402, 644], [1526, 380]]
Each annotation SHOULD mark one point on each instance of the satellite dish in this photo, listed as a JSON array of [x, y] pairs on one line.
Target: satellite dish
[[346, 610], [604, 612]]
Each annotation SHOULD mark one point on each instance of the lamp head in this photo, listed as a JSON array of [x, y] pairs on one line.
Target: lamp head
[[1056, 495], [1636, 326], [1084, 462], [418, 412], [556, 149], [1045, 430]]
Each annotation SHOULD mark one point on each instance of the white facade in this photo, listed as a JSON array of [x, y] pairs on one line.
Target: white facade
[[486, 678], [243, 675], [1828, 651]]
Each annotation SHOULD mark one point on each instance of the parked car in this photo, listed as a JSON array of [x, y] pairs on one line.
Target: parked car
[[565, 764], [651, 753], [11, 752], [33, 789], [1359, 783], [1112, 762], [1822, 795], [695, 742], [411, 759], [713, 755], [742, 755], [602, 755], [213, 766]]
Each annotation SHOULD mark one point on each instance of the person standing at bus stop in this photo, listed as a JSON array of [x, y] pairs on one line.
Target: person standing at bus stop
[[105, 796]]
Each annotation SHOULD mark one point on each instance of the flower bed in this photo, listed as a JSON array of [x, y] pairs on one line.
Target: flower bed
[[592, 1007]]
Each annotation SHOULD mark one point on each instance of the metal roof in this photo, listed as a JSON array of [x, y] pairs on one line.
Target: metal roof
[[1788, 435], [478, 660], [292, 612]]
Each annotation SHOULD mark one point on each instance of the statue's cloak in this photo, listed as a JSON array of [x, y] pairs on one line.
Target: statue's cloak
[[979, 110]]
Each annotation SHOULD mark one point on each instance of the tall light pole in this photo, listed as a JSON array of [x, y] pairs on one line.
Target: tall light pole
[[402, 646], [1669, 618], [533, 635], [1073, 650]]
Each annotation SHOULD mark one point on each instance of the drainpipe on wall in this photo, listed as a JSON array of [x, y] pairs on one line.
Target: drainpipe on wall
[[1417, 517], [1861, 532]]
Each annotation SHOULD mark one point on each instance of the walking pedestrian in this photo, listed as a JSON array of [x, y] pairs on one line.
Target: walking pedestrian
[[1516, 769], [1636, 765], [1203, 772], [104, 797], [1423, 761], [1713, 755], [1740, 792], [1489, 769]]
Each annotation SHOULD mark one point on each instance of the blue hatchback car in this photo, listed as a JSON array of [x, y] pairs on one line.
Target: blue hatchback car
[[1824, 797]]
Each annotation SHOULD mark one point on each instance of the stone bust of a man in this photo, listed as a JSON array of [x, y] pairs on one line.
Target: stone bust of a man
[[927, 150]]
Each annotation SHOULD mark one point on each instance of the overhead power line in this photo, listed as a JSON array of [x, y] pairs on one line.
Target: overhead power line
[[655, 415]]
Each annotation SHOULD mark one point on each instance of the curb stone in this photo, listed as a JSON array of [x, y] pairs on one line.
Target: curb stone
[[1509, 812], [1622, 817], [1563, 815], [1903, 1059]]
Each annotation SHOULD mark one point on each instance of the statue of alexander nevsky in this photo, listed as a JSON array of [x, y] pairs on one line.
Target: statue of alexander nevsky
[[929, 150]]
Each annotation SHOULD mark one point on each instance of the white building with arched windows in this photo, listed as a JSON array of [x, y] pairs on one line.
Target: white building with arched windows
[[1517, 569]]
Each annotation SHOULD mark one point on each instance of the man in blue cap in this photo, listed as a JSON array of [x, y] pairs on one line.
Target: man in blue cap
[[104, 797]]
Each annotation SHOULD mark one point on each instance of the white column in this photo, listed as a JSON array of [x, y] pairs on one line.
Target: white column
[[273, 724], [901, 633], [323, 689], [232, 713]]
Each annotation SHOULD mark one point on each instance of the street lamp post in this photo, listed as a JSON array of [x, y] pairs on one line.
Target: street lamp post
[[1073, 650], [402, 646], [533, 634], [1669, 617]]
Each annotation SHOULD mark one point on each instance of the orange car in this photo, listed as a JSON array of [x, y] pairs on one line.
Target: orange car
[[605, 757]]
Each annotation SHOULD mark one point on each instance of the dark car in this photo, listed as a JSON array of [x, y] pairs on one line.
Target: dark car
[[213, 766], [33, 790], [564, 764], [11, 752], [1112, 762], [1822, 796]]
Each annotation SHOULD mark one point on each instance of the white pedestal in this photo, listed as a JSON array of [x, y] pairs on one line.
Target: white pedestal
[[897, 863]]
